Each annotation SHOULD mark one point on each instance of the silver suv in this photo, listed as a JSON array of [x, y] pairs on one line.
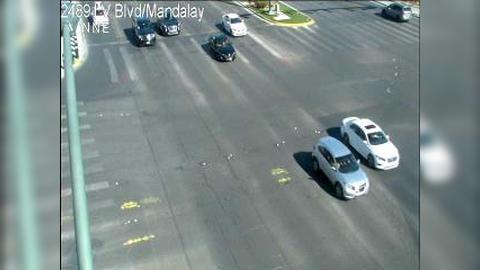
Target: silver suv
[[397, 11], [341, 168]]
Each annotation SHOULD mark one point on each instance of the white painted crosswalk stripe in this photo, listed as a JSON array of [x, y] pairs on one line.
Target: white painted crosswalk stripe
[[80, 114], [96, 168], [335, 39], [193, 90], [375, 35], [85, 156], [128, 63], [363, 40], [401, 27], [111, 66], [391, 34], [267, 47], [89, 188], [397, 32], [316, 41], [295, 36], [83, 142], [82, 127]]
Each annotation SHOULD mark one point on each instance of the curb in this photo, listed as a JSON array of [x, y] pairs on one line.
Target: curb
[[308, 23]]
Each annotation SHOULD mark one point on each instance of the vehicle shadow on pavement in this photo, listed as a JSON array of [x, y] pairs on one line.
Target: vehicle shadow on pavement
[[208, 51], [222, 29], [130, 35], [304, 159], [335, 133]]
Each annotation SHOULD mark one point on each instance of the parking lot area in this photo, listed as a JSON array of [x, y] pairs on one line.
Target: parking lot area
[[193, 163]]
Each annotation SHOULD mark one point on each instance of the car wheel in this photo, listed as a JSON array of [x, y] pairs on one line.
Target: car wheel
[[371, 161], [339, 191], [398, 17], [316, 167], [384, 14], [346, 140]]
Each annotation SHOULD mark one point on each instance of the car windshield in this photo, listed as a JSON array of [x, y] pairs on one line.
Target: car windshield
[[347, 164], [377, 138], [221, 42], [236, 20], [407, 9], [144, 23]]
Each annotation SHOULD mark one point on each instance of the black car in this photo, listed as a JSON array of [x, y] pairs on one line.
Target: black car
[[221, 48], [169, 25], [144, 31]]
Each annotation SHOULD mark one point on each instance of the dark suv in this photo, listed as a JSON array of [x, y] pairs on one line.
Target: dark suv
[[144, 31], [169, 25]]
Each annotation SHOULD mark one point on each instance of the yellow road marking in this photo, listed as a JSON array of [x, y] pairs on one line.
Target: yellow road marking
[[138, 240], [129, 205], [278, 171], [284, 180], [282, 175]]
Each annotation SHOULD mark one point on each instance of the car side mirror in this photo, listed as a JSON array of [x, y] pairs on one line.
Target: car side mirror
[[365, 142], [335, 166]]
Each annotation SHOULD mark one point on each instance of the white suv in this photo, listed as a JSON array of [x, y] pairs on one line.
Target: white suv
[[340, 166], [369, 140]]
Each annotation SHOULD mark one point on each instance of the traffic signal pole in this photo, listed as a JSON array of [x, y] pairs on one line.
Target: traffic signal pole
[[82, 227], [21, 179]]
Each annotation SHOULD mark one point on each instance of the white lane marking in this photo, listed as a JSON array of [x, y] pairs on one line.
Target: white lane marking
[[89, 188], [184, 78], [112, 43], [86, 156], [309, 29], [210, 61], [97, 168], [243, 58], [333, 40], [267, 47], [80, 114], [116, 29], [362, 40], [230, 85], [316, 41], [129, 64], [399, 26], [296, 37], [79, 103], [111, 66], [83, 142], [390, 35], [94, 228], [396, 30], [82, 127], [308, 119], [374, 36]]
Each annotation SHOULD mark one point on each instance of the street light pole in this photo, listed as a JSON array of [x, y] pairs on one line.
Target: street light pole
[[82, 227]]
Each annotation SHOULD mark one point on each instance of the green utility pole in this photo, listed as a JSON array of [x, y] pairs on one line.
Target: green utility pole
[[82, 230], [18, 143]]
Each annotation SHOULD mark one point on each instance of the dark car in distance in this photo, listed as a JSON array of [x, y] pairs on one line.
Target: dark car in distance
[[144, 31], [169, 25], [221, 48]]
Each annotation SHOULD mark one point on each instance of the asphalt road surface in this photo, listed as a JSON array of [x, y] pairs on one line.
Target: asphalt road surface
[[184, 155]]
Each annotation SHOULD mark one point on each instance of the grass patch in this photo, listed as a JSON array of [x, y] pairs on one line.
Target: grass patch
[[296, 17]]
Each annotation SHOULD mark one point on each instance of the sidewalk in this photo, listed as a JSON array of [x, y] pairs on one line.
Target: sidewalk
[[415, 7]]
